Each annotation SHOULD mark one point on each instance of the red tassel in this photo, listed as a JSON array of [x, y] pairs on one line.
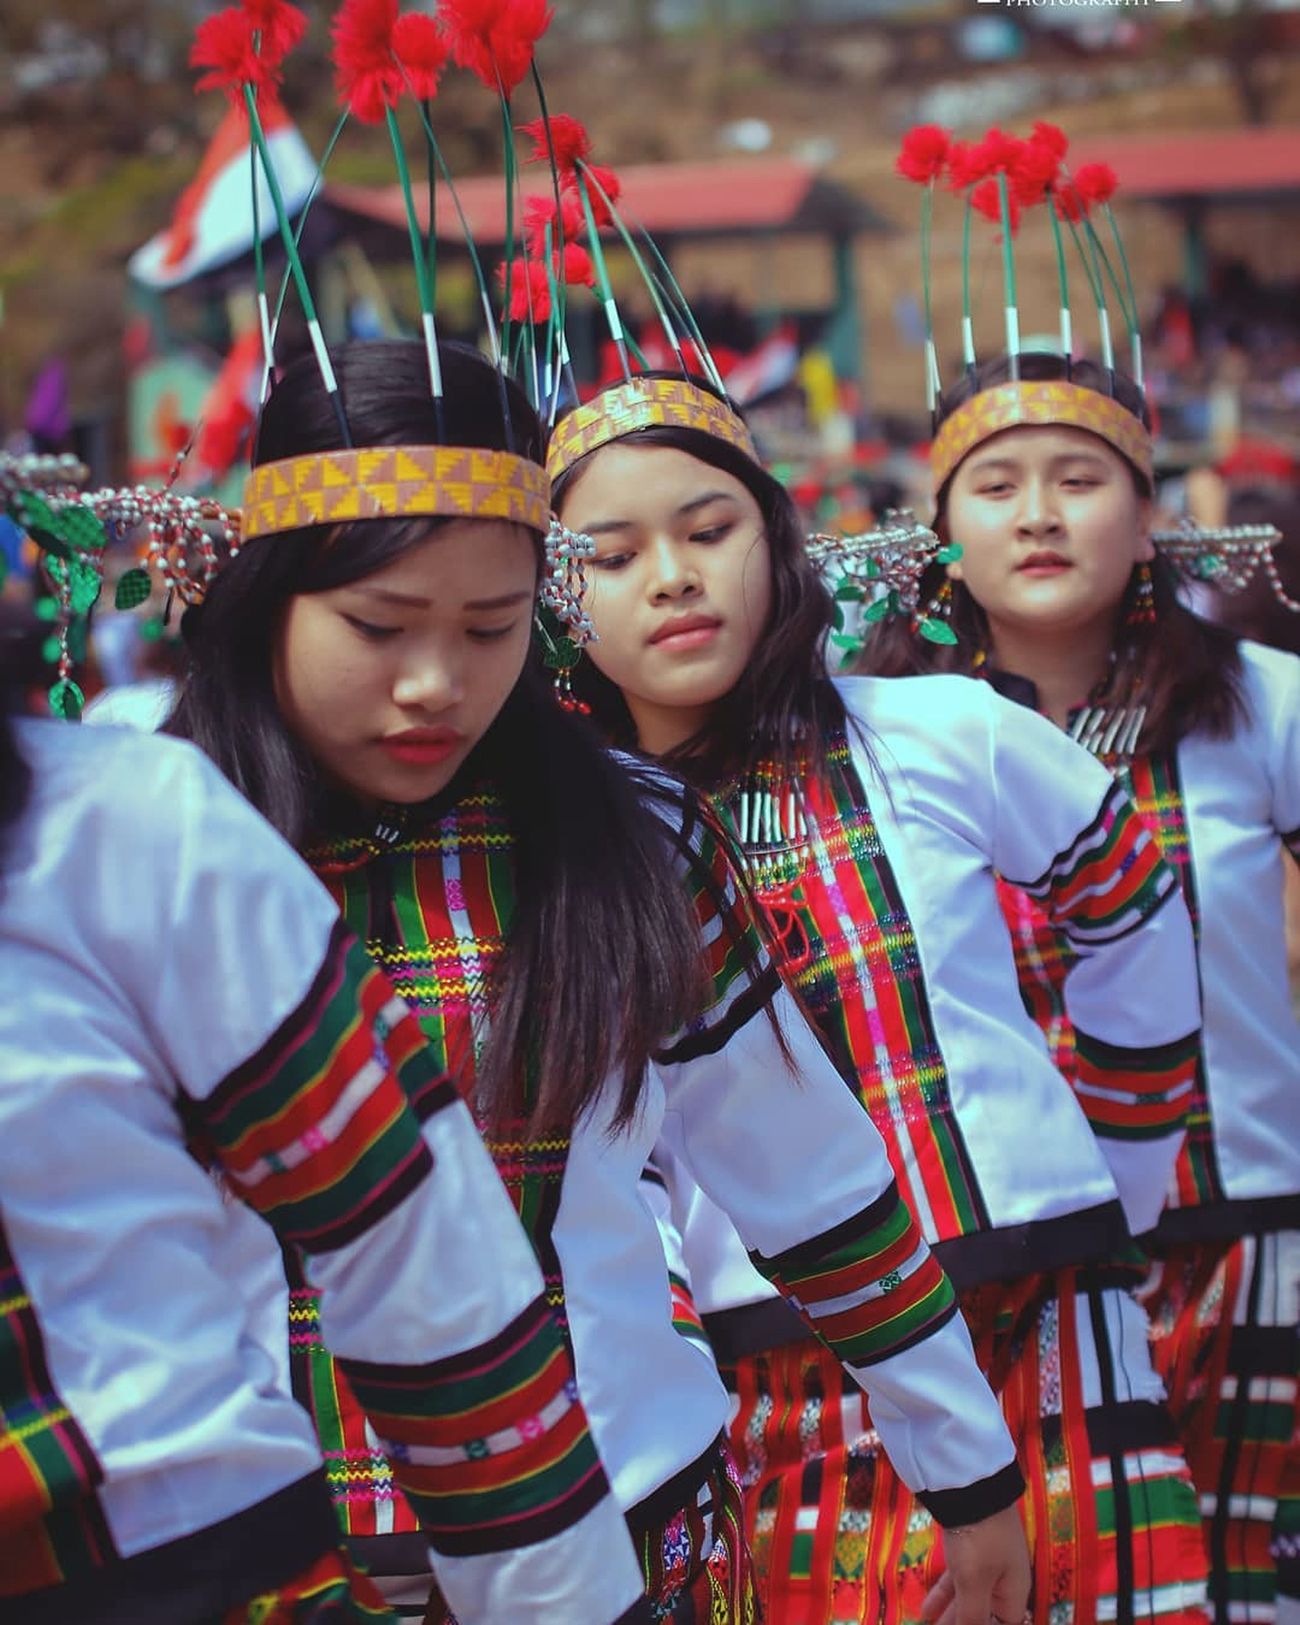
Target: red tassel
[[376, 53], [495, 39], [568, 137], [223, 44], [923, 153]]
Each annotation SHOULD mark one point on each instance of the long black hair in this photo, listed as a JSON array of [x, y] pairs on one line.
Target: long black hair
[[603, 961], [18, 631], [1185, 670], [783, 706]]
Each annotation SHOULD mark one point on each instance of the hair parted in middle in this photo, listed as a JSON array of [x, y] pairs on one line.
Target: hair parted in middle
[[783, 707], [603, 963]]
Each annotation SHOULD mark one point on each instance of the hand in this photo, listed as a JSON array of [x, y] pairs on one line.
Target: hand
[[987, 1575]]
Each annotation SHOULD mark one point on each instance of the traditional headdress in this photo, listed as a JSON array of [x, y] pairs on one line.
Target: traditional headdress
[[384, 60], [1001, 179]]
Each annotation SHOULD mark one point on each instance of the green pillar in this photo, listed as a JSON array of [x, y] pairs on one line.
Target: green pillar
[[845, 340]]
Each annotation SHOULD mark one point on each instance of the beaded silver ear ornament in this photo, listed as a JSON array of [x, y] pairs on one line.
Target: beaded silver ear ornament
[[560, 600], [1227, 558], [72, 529], [881, 569]]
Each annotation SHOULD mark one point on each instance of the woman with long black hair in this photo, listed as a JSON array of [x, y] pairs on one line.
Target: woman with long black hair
[[875, 817], [573, 941], [156, 1032], [1064, 602]]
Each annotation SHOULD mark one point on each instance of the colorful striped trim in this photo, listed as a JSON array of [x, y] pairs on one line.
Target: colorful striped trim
[[52, 1526], [1135, 1094], [686, 1317], [490, 1446], [333, 1591], [1154, 785], [315, 1131], [870, 1288], [1109, 880], [841, 934]]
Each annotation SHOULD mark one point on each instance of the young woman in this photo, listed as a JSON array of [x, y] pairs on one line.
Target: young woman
[[1062, 601], [365, 682], [154, 1465], [874, 815]]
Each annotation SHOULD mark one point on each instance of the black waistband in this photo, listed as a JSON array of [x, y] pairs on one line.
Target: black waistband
[[200, 1576], [1041, 1247], [682, 1489], [1223, 1221]]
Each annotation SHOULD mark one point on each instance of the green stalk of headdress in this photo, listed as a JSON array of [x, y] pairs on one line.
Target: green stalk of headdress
[[629, 242], [431, 185], [932, 384], [259, 279], [313, 193], [1131, 312], [323, 361], [668, 285], [1092, 270], [508, 137], [1063, 283], [612, 316], [1011, 309], [560, 311], [485, 293], [423, 289], [967, 325]]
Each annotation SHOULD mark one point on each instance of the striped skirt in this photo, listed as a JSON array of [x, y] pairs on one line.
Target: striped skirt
[[1224, 1320], [332, 1592], [1110, 1512]]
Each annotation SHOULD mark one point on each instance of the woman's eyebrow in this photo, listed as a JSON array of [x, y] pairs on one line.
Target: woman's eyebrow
[[505, 601]]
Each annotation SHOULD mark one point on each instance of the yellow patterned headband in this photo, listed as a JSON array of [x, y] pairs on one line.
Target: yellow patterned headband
[[394, 482], [1013, 405], [644, 403]]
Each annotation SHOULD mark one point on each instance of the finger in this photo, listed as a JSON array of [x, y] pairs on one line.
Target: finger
[[974, 1600], [938, 1600]]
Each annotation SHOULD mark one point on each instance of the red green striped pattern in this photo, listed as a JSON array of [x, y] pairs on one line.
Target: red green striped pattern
[[1134, 1094], [686, 1317], [333, 1591], [870, 1287], [490, 1446], [363, 1489], [845, 944], [52, 1527], [315, 1131], [1108, 880]]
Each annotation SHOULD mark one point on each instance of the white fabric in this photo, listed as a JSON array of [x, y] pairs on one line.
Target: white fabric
[[154, 932], [974, 784], [1239, 795]]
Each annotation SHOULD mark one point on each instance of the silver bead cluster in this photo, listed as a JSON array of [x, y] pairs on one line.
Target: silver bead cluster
[[892, 557], [564, 584], [1227, 558], [34, 471], [183, 532]]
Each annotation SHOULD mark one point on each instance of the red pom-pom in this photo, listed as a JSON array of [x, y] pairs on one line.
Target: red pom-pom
[[1051, 137], [963, 165], [923, 154], [223, 44], [1095, 183], [530, 290], [986, 199], [539, 212], [568, 138], [376, 53], [1034, 173], [421, 50], [495, 39], [603, 188], [578, 270], [278, 25]]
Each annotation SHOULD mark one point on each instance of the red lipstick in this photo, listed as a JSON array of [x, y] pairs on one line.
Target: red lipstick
[[1043, 562], [423, 747]]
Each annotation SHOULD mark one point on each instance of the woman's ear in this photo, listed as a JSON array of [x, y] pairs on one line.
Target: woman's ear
[[940, 528]]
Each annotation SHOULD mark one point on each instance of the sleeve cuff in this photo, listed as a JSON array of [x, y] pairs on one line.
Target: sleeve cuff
[[951, 1509]]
